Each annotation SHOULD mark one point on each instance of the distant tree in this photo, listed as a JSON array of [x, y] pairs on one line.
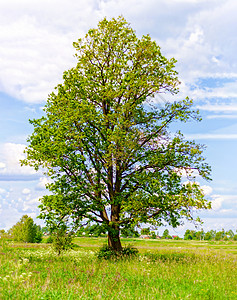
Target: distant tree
[[189, 234], [26, 231], [207, 236], [166, 234], [193, 235], [153, 235], [220, 235], [105, 140], [199, 235], [129, 231], [230, 234], [145, 231], [80, 231], [94, 230]]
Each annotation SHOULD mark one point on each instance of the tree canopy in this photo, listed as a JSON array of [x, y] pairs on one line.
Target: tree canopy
[[26, 231], [105, 142]]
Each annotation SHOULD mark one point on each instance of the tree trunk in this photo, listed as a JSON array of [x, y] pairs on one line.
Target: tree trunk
[[114, 239], [113, 232]]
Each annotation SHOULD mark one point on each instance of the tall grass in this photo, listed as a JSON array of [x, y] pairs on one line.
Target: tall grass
[[164, 273]]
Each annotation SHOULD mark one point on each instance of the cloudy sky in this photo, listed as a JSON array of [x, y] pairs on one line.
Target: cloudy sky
[[36, 48]]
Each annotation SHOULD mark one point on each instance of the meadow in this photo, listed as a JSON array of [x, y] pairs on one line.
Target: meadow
[[164, 269]]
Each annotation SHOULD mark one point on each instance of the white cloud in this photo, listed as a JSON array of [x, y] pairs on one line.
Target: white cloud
[[26, 191], [224, 204], [2, 165], [12, 154], [43, 181], [225, 116], [201, 50], [4, 194], [207, 190], [218, 107], [2, 191], [31, 205], [208, 136], [35, 43], [217, 202]]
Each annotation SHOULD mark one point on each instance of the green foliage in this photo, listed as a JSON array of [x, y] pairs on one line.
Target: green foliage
[[190, 235], [26, 231], [219, 235], [62, 240], [49, 240], [105, 142], [129, 231], [209, 235], [229, 234], [166, 234], [108, 253], [153, 235], [94, 230], [145, 231], [177, 238], [2, 233]]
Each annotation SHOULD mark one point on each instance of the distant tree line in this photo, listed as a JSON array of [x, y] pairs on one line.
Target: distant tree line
[[27, 231], [97, 231], [211, 235]]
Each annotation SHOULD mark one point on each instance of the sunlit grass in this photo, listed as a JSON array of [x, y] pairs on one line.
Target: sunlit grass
[[167, 272]]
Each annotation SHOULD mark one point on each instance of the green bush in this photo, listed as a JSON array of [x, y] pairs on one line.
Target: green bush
[[108, 253], [62, 240]]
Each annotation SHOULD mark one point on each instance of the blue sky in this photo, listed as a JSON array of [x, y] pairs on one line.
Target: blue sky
[[36, 48]]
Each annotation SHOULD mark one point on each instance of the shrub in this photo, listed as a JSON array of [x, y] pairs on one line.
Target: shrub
[[62, 240], [107, 252]]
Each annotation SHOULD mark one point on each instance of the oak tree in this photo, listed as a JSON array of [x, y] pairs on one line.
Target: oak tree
[[104, 139]]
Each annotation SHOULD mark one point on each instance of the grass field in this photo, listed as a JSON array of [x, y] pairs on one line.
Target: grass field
[[165, 269]]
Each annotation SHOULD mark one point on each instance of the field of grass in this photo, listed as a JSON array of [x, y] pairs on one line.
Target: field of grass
[[164, 269]]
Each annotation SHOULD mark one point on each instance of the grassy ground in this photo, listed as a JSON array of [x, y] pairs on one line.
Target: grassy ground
[[144, 245], [163, 270]]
